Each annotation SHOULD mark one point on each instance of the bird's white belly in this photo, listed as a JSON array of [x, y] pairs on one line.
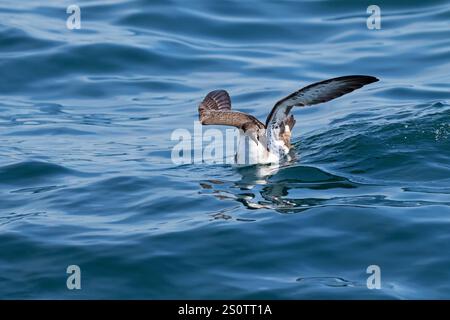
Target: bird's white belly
[[249, 152]]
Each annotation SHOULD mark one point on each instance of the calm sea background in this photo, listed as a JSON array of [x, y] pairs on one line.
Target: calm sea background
[[86, 176]]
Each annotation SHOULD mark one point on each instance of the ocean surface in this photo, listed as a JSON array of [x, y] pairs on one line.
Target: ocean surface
[[87, 176]]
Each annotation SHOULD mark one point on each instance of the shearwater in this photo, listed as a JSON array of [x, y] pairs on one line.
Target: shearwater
[[271, 142]]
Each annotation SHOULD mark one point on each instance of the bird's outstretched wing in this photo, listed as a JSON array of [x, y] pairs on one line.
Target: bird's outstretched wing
[[216, 109], [315, 93]]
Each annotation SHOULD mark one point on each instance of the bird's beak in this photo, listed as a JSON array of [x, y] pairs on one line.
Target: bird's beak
[[255, 139]]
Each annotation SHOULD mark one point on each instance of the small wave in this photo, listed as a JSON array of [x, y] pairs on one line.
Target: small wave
[[328, 281], [408, 143], [33, 172]]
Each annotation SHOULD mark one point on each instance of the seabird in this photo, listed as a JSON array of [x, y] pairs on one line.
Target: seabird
[[271, 142]]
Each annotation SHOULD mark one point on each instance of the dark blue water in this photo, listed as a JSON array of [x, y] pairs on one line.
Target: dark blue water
[[86, 175]]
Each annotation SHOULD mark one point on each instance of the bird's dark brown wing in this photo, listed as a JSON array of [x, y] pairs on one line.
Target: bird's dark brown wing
[[216, 109], [316, 93]]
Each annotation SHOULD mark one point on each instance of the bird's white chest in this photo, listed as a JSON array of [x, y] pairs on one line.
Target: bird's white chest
[[249, 152]]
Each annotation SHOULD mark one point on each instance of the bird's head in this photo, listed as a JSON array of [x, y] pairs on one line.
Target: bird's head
[[253, 131]]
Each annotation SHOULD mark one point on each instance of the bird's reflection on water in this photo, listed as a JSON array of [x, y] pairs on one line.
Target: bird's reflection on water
[[277, 187]]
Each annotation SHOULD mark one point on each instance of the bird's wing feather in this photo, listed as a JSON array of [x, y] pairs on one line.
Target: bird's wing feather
[[216, 109], [316, 93], [218, 100]]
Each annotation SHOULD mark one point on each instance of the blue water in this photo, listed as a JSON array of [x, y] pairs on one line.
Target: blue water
[[86, 176]]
